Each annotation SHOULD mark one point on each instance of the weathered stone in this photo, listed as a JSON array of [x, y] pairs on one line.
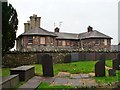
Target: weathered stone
[[115, 64], [31, 84], [118, 61], [100, 69], [61, 81], [75, 76], [47, 66], [9, 81], [25, 72], [85, 76], [75, 82], [63, 74], [67, 58], [112, 72]]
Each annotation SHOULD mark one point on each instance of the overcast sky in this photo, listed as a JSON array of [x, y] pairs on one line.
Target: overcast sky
[[75, 15]]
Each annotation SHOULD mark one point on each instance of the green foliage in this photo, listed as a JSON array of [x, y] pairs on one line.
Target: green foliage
[[9, 27], [5, 72], [108, 63], [75, 67], [107, 79]]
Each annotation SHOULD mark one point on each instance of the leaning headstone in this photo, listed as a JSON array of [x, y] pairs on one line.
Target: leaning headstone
[[47, 65], [67, 58], [112, 72], [115, 64], [100, 69]]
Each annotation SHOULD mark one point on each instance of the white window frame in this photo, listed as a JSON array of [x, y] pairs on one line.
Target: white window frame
[[105, 41], [63, 43], [42, 40]]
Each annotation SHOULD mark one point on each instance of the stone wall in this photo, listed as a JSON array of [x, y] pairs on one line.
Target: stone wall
[[18, 58]]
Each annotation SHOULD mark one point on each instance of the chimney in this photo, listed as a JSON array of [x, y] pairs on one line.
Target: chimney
[[90, 28], [37, 23], [32, 20], [56, 29], [27, 26]]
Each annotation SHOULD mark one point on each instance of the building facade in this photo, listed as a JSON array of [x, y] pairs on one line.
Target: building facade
[[36, 38]]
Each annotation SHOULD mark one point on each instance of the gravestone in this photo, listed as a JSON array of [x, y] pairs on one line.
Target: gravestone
[[47, 66], [67, 58], [75, 57], [112, 72], [118, 60], [115, 64], [25, 72], [100, 69], [100, 66]]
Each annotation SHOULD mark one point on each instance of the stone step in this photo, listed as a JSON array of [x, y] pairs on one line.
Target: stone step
[[31, 84]]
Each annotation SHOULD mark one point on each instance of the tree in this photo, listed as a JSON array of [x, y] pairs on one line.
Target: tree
[[9, 27]]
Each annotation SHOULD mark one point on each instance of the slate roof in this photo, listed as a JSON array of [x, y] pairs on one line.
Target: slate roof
[[85, 35], [39, 31], [61, 35], [93, 34]]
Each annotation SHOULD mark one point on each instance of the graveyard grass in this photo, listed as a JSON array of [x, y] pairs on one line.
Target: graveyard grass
[[74, 68]]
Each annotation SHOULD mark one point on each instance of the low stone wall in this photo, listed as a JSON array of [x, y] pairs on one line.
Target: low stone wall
[[18, 58]]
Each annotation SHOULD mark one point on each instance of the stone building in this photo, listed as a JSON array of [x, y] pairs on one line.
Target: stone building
[[36, 38]]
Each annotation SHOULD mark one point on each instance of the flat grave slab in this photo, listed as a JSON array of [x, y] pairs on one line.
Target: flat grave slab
[[60, 81], [9, 81], [25, 72], [85, 76], [31, 84], [75, 76], [75, 82], [89, 82], [49, 79], [63, 74], [79, 76]]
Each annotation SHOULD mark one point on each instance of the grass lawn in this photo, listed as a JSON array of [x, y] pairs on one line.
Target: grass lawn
[[74, 68], [108, 63]]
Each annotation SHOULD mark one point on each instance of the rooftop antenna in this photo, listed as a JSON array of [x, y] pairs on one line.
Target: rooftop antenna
[[60, 23], [54, 24]]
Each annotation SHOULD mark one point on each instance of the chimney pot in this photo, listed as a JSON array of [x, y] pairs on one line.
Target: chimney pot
[[90, 28], [56, 29]]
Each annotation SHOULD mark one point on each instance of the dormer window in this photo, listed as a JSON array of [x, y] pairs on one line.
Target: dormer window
[[30, 39]]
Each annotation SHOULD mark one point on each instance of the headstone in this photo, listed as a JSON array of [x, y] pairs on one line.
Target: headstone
[[100, 69], [47, 65], [115, 64], [75, 57], [118, 60], [67, 58], [112, 72]]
